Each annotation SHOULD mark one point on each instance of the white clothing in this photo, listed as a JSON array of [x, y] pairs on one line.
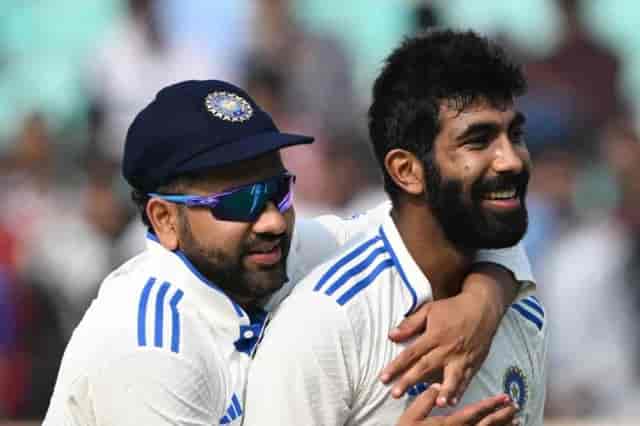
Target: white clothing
[[161, 345], [327, 343]]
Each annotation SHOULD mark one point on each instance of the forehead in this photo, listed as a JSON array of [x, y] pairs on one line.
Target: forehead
[[240, 173], [454, 121]]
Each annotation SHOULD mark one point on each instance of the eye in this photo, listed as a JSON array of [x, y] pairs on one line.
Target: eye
[[477, 143]]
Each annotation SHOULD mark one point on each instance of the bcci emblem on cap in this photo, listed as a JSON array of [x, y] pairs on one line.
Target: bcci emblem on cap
[[228, 106], [515, 385]]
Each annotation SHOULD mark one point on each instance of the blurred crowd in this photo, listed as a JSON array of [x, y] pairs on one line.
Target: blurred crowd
[[73, 74]]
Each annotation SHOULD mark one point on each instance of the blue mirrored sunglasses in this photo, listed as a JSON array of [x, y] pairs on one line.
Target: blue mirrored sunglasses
[[243, 203]]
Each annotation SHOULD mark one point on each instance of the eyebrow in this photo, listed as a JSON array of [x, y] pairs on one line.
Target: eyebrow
[[490, 126]]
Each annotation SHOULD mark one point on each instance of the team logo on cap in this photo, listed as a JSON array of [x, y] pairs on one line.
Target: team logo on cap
[[515, 385], [228, 106]]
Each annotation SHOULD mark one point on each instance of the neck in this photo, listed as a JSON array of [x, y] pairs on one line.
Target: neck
[[444, 264]]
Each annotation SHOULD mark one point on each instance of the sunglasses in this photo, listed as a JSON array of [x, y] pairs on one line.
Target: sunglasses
[[243, 203]]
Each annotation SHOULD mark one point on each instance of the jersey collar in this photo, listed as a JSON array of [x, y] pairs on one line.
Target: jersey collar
[[218, 308], [413, 278]]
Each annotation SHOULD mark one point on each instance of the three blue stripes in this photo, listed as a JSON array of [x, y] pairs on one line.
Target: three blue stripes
[[233, 411], [349, 274], [143, 307], [531, 309]]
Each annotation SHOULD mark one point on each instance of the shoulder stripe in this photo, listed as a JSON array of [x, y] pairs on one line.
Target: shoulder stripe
[[528, 315], [157, 315], [350, 273], [533, 305], [160, 313], [175, 321], [343, 261], [362, 284], [405, 280], [142, 312]]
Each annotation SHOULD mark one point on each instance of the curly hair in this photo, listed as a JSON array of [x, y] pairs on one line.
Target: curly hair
[[424, 71]]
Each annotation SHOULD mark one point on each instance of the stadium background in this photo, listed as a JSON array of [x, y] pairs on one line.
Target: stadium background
[[73, 73]]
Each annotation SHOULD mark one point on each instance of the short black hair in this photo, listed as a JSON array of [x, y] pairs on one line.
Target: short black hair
[[425, 70]]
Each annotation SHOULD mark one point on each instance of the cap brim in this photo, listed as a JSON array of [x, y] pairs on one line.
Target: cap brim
[[241, 150]]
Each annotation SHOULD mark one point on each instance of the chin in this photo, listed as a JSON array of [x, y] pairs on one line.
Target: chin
[[263, 284], [504, 235]]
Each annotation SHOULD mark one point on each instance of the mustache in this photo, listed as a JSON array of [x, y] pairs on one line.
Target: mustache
[[503, 182], [263, 242]]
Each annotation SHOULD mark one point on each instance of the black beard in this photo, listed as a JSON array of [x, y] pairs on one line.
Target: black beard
[[229, 274], [465, 223]]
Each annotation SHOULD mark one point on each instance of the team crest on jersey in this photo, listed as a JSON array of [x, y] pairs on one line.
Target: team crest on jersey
[[228, 106], [515, 385]]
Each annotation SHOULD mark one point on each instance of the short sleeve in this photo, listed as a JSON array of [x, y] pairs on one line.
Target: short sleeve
[[513, 258], [152, 386], [305, 368]]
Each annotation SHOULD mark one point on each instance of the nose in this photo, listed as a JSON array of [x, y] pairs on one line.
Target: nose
[[270, 221], [509, 158]]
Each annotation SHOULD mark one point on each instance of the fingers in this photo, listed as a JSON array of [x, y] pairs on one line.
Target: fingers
[[409, 359], [411, 325], [453, 379], [421, 407], [422, 370], [505, 416], [467, 376], [474, 413]]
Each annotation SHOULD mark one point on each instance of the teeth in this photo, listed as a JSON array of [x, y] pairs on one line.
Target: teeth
[[501, 195]]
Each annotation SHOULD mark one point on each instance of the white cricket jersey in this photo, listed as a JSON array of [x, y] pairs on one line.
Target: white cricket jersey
[[320, 358], [162, 345]]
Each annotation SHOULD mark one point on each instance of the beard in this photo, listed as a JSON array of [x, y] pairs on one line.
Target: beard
[[228, 272], [465, 222]]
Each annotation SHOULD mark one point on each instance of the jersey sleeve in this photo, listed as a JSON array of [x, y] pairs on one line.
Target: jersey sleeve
[[304, 370], [513, 258], [539, 398], [317, 239], [152, 387]]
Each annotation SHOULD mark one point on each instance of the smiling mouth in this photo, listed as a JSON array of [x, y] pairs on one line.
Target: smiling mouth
[[506, 194]]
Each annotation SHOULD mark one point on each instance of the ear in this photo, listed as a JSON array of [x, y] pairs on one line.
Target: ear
[[406, 171], [163, 216]]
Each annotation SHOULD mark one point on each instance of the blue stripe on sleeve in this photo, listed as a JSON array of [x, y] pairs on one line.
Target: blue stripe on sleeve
[[405, 280], [225, 420], [160, 313], [142, 312], [362, 284], [175, 321], [528, 315], [533, 305], [346, 259], [354, 270]]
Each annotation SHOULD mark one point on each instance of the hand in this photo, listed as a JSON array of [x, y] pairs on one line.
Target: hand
[[458, 336], [494, 411]]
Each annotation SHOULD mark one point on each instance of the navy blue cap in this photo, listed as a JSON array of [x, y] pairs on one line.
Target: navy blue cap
[[196, 125]]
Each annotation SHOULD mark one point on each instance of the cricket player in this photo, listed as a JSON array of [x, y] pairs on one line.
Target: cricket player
[[449, 139], [170, 336]]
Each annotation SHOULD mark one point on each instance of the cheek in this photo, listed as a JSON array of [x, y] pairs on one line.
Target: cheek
[[218, 234], [290, 219]]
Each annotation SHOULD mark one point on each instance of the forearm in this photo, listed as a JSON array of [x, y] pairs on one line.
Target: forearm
[[492, 282]]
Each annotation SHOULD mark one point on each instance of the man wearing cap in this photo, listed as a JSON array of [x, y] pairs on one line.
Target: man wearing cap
[[171, 334]]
